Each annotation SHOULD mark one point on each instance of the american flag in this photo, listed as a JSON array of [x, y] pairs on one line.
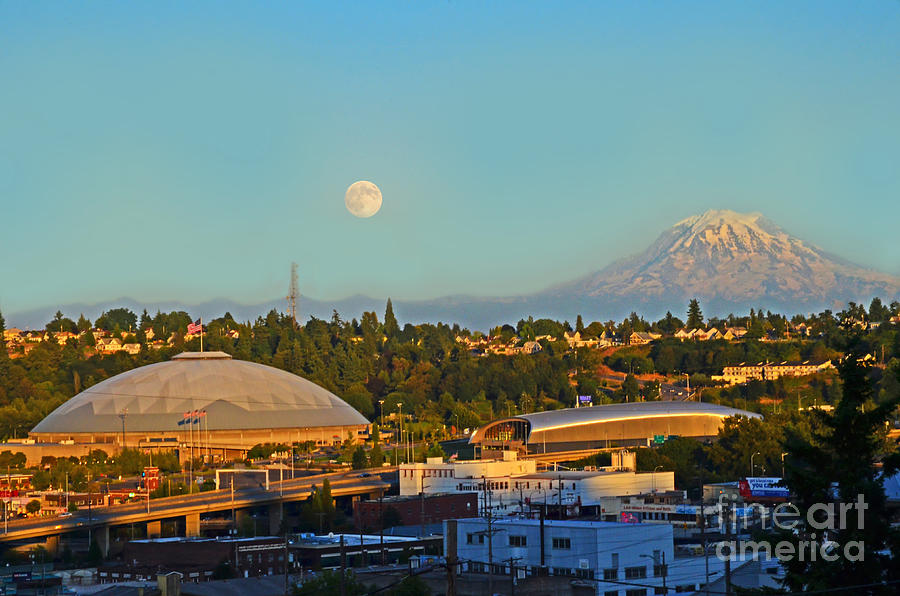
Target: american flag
[[195, 327]]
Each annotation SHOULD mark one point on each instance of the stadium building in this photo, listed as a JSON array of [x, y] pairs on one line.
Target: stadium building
[[614, 425], [203, 402]]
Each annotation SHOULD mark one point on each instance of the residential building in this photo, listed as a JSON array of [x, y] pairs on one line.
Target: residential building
[[639, 338], [769, 371]]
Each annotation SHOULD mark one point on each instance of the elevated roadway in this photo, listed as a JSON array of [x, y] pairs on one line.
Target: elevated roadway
[[191, 507]]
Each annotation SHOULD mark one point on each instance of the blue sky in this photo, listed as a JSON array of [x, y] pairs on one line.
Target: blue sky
[[187, 151]]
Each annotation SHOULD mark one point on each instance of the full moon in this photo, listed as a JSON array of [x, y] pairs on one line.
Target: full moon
[[363, 199]]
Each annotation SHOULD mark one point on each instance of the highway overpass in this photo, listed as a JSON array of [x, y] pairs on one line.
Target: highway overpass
[[191, 507]]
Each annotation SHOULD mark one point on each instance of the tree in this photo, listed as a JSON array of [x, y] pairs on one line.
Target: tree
[[848, 444], [33, 507], [391, 328], [83, 324], [630, 387], [579, 324], [359, 460], [122, 318], [376, 456], [328, 583], [694, 315]]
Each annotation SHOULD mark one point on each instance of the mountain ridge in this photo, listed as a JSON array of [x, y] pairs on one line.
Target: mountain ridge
[[730, 261]]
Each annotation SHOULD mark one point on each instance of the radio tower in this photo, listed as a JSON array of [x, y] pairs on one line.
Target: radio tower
[[293, 294]]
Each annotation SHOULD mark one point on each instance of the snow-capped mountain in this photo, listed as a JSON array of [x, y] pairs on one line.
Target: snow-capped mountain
[[731, 261]]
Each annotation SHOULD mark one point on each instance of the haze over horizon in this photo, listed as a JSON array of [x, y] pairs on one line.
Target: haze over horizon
[[192, 152]]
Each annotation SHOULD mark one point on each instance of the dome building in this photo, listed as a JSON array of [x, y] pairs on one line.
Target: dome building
[[203, 400], [613, 425]]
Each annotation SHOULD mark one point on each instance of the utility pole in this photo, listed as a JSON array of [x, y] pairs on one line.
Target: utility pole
[[512, 575], [343, 568], [450, 537], [559, 485], [490, 520], [293, 294], [286, 582], [726, 514], [422, 502], [381, 525]]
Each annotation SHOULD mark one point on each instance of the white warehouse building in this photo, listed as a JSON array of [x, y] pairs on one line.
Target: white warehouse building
[[621, 554]]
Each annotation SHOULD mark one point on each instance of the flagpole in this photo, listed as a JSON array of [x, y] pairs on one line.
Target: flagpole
[[201, 335]]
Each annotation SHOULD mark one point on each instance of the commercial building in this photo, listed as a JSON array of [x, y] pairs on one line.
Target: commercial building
[[198, 559], [614, 425], [511, 484], [410, 510], [204, 403], [324, 552], [602, 558], [605, 553]]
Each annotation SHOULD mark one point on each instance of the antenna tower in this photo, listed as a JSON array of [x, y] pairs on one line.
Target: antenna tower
[[293, 294]]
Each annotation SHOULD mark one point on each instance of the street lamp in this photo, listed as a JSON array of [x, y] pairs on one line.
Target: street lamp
[[751, 462], [653, 477]]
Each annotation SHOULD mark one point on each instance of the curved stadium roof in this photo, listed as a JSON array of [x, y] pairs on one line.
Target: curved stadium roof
[[572, 417], [237, 395]]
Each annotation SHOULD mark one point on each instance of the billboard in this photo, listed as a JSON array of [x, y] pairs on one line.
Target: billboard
[[763, 488]]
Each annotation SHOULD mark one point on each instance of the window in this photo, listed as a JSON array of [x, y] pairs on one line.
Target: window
[[585, 573], [659, 570], [612, 574], [636, 592], [660, 591], [562, 543], [469, 538], [635, 572], [517, 541], [615, 560], [611, 593]]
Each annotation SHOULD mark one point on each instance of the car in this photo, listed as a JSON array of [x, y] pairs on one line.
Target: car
[[66, 514], [364, 475]]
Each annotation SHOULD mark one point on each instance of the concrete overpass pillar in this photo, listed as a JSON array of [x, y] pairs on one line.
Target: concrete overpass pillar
[[101, 537], [52, 545], [276, 515], [154, 529], [192, 524]]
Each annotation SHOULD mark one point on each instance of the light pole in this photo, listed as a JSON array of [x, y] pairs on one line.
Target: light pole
[[751, 462], [653, 478], [123, 415], [400, 434], [782, 465]]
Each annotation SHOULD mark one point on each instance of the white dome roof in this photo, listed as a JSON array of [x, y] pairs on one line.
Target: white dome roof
[[235, 394]]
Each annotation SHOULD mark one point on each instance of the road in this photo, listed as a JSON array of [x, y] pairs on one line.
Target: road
[[342, 483]]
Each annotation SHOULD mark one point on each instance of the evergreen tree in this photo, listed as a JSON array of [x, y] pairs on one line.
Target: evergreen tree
[[391, 328], [359, 460], [376, 456], [579, 324], [694, 315], [83, 324], [849, 443]]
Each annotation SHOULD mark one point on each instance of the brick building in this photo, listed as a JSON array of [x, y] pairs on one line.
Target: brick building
[[406, 510]]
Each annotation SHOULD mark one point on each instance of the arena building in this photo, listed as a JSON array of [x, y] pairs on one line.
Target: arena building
[[201, 402], [614, 425]]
